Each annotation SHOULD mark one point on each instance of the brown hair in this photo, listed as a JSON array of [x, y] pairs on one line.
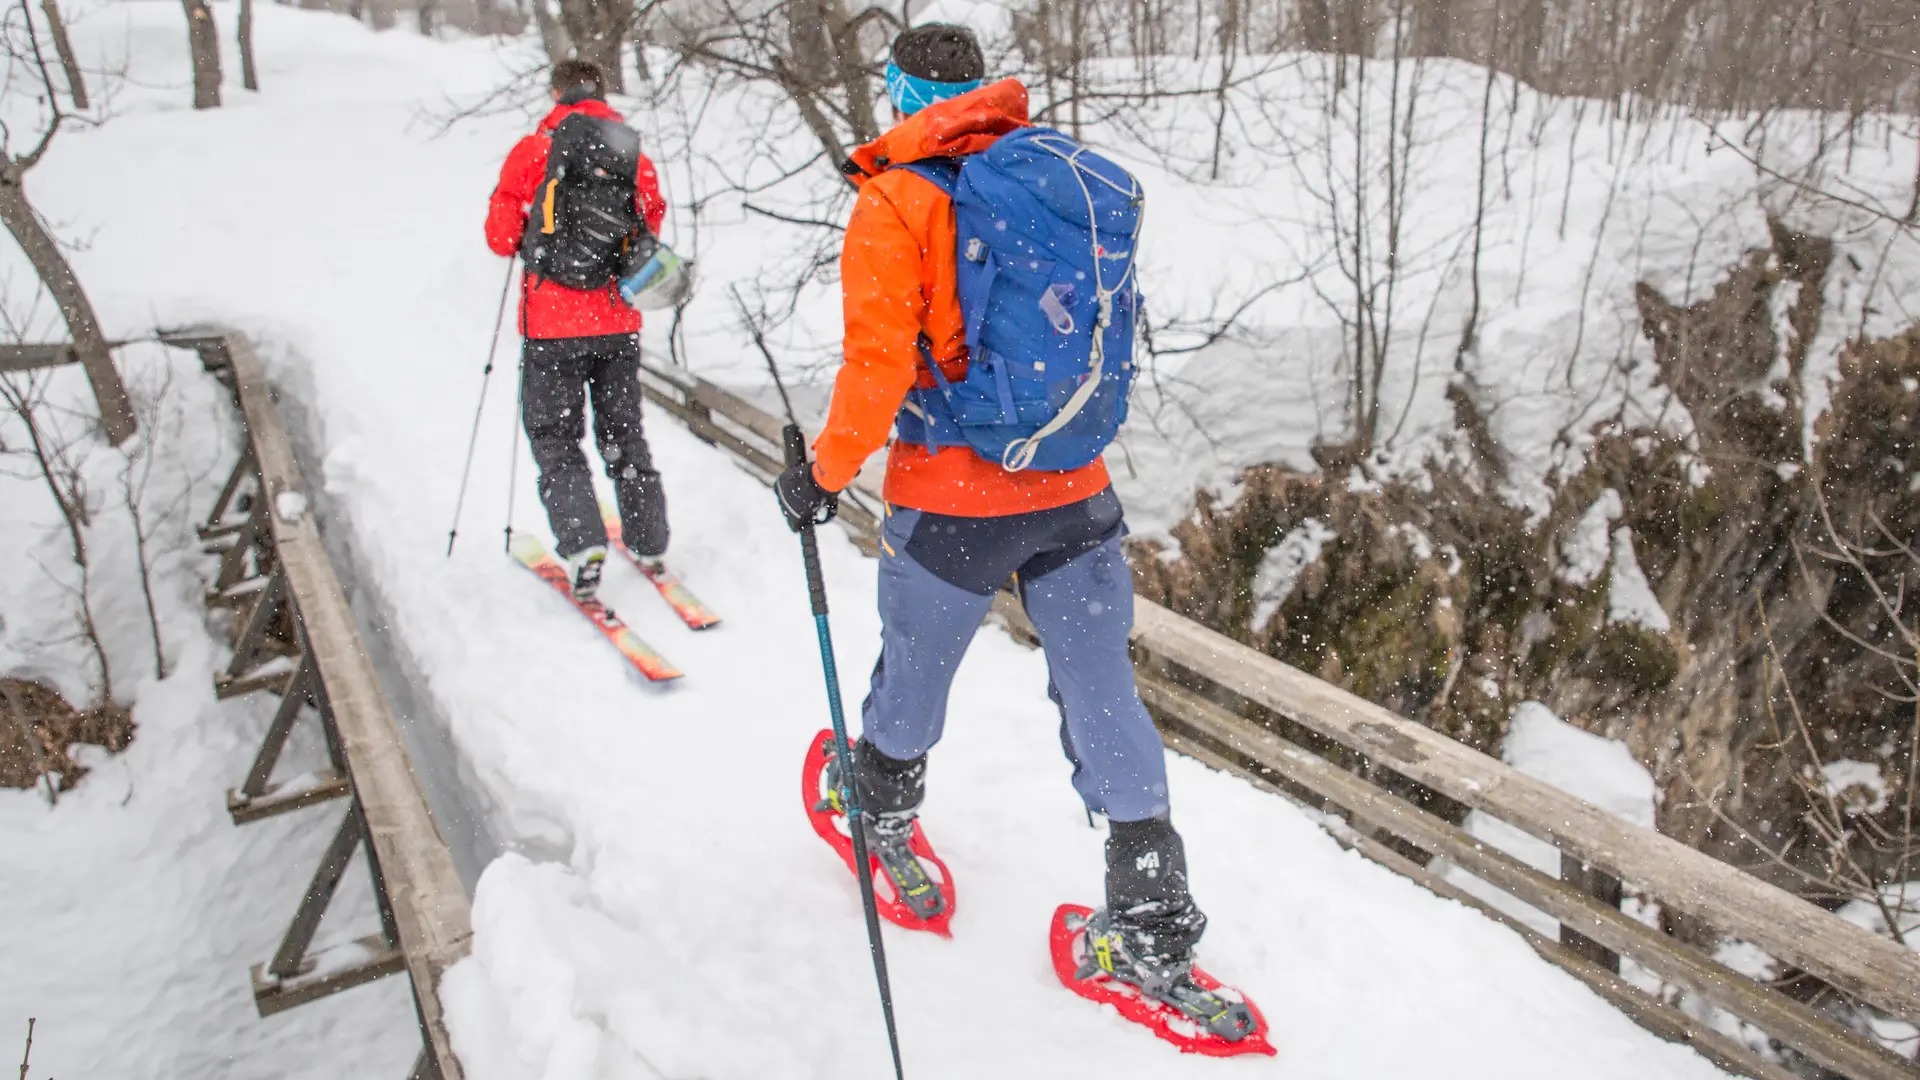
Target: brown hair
[[578, 75]]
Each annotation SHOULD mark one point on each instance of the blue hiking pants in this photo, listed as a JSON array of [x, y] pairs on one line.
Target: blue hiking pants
[[938, 574]]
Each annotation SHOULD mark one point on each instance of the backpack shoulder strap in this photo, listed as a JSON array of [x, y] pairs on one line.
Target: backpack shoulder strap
[[942, 172]]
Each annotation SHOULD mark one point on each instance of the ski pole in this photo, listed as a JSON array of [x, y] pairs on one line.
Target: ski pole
[[796, 446], [513, 450], [796, 454], [473, 439]]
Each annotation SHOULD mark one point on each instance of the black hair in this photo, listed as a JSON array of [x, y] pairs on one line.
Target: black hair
[[941, 52]]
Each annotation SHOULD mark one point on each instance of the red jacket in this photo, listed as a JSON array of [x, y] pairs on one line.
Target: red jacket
[[548, 310]]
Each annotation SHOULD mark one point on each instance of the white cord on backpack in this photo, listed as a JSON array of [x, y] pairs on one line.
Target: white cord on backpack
[[1020, 452]]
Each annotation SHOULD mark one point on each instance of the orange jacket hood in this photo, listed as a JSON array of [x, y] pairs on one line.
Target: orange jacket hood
[[967, 124]]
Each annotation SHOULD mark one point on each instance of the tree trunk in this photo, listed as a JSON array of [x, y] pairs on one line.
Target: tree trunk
[[1316, 25], [553, 35], [851, 67], [249, 75], [76, 81], [203, 38], [116, 410], [428, 12], [597, 28]]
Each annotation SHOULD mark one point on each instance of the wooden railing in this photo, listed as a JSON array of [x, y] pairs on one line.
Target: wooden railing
[[1233, 708], [295, 637]]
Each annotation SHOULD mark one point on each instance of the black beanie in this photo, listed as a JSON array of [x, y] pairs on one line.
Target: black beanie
[[941, 52]]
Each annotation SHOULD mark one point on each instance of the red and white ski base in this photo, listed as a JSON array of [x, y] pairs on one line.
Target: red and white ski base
[[1068, 941], [832, 828], [534, 555], [695, 614]]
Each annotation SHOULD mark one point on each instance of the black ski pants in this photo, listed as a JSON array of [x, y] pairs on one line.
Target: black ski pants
[[557, 376]]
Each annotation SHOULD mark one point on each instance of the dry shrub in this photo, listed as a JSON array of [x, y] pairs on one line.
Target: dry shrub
[[56, 727], [1445, 604]]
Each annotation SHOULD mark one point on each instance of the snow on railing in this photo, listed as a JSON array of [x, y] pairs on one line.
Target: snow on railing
[[1241, 711], [295, 637]]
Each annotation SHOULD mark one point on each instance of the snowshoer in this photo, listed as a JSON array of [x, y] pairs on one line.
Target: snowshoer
[[572, 198], [970, 508]]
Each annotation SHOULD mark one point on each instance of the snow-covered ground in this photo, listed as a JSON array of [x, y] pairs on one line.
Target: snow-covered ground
[[131, 912], [660, 907]]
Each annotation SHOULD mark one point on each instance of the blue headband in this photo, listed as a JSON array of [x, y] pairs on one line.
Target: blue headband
[[911, 93]]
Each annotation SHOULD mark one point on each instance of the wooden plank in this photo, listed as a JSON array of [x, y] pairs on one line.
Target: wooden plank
[[728, 404], [237, 593], [763, 460], [276, 680], [1656, 1016], [335, 968], [1857, 962], [430, 908], [281, 799], [1844, 1051]]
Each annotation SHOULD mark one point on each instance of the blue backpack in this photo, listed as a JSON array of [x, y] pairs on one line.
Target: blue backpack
[[1047, 235]]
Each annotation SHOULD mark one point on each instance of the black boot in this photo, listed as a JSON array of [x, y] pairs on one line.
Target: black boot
[[1145, 937], [890, 796]]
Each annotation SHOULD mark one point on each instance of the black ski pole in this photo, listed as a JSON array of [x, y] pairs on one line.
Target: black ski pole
[[473, 439], [513, 450], [796, 454], [796, 446]]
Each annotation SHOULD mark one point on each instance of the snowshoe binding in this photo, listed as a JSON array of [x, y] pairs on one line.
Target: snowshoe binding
[[911, 886], [1180, 1003]]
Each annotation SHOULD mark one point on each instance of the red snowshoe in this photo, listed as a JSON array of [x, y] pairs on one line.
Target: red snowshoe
[[1218, 1022], [830, 821]]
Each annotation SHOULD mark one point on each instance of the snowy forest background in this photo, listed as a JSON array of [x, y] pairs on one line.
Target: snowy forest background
[[1501, 351]]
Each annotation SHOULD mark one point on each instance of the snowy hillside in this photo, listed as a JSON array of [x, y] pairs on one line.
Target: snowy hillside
[[658, 906], [130, 913]]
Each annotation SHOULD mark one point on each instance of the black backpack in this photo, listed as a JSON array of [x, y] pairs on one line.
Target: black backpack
[[583, 215]]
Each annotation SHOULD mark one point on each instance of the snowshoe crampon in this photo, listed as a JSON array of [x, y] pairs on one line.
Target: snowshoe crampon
[[1068, 942], [830, 821]]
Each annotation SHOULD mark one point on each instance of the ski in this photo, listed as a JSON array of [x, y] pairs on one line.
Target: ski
[[823, 810], [534, 555], [695, 614], [1068, 941]]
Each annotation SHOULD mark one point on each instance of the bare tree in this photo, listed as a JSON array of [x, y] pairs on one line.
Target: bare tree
[[815, 51], [39, 246], [136, 494], [203, 42], [70, 64], [53, 449], [249, 75]]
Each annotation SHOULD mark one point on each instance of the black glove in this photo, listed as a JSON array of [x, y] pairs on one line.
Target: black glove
[[803, 500]]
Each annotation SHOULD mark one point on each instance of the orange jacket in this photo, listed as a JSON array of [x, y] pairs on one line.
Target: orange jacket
[[897, 281]]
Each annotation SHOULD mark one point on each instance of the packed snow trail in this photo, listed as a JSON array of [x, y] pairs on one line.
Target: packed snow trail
[[664, 909]]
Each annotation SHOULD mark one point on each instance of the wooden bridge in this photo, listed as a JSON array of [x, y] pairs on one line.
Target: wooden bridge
[[1216, 700]]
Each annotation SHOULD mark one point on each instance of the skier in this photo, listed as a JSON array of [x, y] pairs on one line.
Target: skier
[[960, 523], [581, 338]]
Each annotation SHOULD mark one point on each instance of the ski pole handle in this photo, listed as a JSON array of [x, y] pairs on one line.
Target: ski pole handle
[[796, 445]]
